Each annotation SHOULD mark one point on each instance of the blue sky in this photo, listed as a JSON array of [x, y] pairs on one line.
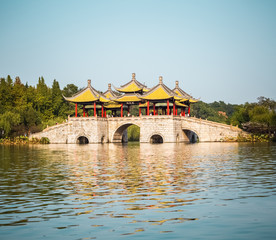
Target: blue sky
[[217, 50]]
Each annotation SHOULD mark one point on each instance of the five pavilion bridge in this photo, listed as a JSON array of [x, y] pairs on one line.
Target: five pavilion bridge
[[163, 116], [153, 129]]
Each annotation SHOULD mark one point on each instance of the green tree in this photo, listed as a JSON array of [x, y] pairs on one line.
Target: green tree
[[133, 133], [43, 101], [69, 90], [8, 120], [6, 97], [57, 99], [204, 111], [264, 116], [19, 95]]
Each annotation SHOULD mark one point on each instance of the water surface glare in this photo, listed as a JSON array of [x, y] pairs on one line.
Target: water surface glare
[[163, 191]]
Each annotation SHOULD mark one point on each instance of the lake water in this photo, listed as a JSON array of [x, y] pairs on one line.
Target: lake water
[[138, 191]]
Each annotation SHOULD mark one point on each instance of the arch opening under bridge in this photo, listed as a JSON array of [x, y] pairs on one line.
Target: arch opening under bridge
[[191, 136], [156, 138], [82, 140], [122, 135]]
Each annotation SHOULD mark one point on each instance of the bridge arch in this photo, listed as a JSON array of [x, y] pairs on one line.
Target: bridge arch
[[120, 134], [156, 137], [191, 135], [82, 139]]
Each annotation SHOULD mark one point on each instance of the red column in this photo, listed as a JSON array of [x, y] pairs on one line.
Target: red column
[[76, 110], [168, 107], [189, 110], [122, 109], [139, 109], [154, 109], [148, 108], [83, 110], [102, 111], [174, 108], [157, 111], [176, 111], [95, 113]]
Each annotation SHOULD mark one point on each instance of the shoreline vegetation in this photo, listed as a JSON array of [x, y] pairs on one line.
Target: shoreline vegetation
[[22, 140], [28, 109]]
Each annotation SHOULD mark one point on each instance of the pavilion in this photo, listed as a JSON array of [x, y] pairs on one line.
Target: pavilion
[[163, 97], [87, 97], [133, 93], [186, 98]]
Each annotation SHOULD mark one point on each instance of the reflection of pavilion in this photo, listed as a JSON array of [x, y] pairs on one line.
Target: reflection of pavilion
[[159, 100]]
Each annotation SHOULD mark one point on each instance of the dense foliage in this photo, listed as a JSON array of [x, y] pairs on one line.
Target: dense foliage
[[25, 109], [257, 118]]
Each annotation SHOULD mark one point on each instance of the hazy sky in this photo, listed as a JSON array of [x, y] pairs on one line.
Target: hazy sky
[[217, 50]]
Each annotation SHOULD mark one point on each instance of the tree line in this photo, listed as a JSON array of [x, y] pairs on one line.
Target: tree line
[[27, 109], [257, 118]]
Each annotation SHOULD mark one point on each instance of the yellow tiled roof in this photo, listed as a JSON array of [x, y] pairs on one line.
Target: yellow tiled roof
[[130, 88], [180, 104], [158, 94], [87, 95], [185, 96], [128, 98], [103, 99], [112, 105], [108, 95], [145, 105], [84, 96]]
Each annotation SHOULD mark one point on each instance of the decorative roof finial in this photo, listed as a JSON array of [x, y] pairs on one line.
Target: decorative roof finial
[[160, 80], [176, 84], [88, 82], [109, 86], [133, 76]]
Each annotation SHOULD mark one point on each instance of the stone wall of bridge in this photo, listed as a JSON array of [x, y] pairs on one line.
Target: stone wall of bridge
[[208, 131], [94, 129], [170, 128]]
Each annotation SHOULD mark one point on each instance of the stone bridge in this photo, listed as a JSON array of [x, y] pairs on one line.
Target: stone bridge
[[161, 128]]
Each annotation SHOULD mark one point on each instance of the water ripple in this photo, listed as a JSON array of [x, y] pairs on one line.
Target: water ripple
[[99, 191]]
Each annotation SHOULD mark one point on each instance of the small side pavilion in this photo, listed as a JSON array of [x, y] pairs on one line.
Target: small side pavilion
[[89, 98], [186, 98]]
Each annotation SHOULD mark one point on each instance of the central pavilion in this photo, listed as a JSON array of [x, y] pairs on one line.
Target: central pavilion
[[159, 100]]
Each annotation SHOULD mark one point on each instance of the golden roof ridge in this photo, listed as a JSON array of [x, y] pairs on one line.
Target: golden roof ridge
[[166, 89], [183, 93], [138, 85], [84, 95]]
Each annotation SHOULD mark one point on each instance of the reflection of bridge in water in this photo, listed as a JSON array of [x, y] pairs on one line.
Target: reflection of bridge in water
[[161, 128]]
